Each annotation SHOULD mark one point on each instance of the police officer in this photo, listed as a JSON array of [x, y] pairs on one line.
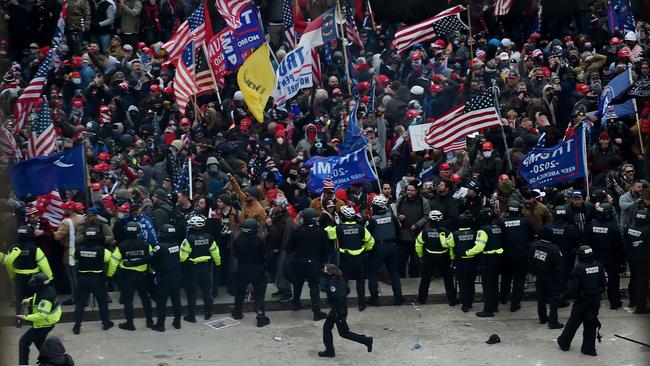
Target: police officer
[[91, 258], [566, 236], [586, 284], [250, 252], [637, 239], [384, 227], [44, 313], [201, 251], [24, 260], [433, 249], [605, 239], [546, 264], [490, 263], [132, 277], [466, 244], [310, 247], [353, 241], [518, 234]]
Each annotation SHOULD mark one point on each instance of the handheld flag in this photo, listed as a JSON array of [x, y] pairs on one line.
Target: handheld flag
[[256, 80]]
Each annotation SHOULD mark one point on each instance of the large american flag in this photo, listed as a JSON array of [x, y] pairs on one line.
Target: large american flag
[[287, 19], [184, 85], [231, 10], [196, 28], [203, 77], [476, 114], [351, 27], [42, 139], [440, 25], [502, 7], [461, 144], [32, 93]]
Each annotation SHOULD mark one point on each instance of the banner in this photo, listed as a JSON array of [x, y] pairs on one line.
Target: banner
[[224, 53], [417, 134], [607, 107], [565, 161], [256, 80], [293, 73], [344, 170], [353, 138], [250, 34]]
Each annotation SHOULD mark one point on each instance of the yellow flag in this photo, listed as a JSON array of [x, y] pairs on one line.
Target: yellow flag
[[256, 80]]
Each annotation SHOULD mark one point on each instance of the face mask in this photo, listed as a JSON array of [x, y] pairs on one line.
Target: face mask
[[76, 81], [121, 215], [214, 168], [293, 176], [487, 154], [539, 78], [280, 141]]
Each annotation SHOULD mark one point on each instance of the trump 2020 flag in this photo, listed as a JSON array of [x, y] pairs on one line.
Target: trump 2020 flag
[[343, 169], [617, 86], [619, 16], [293, 73], [38, 176], [256, 80], [353, 138]]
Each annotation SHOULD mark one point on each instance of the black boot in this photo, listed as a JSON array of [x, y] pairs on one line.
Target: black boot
[[207, 315], [319, 315], [237, 315], [296, 305], [327, 353], [369, 343], [176, 323], [190, 319], [126, 326], [107, 325], [158, 327], [76, 329], [485, 314], [149, 323], [262, 320], [555, 325]]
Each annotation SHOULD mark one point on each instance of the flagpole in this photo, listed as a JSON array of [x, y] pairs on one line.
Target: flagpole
[[372, 18], [345, 48], [503, 132], [470, 39], [636, 115], [584, 159], [214, 80], [259, 19], [189, 174]]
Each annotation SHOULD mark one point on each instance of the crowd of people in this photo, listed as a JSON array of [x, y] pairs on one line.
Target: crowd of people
[[248, 216]]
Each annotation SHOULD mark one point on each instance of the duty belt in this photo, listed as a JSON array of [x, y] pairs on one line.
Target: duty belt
[[494, 251], [436, 252]]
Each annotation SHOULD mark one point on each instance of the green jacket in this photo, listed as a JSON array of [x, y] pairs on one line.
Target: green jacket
[[129, 11], [46, 311]]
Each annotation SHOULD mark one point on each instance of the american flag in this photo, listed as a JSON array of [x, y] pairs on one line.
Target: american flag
[[315, 67], [104, 116], [59, 35], [351, 27], [184, 85], [478, 113], [502, 7], [203, 78], [196, 28], [440, 25], [231, 10], [183, 181], [32, 93], [461, 144], [289, 29], [42, 139], [50, 208], [8, 147]]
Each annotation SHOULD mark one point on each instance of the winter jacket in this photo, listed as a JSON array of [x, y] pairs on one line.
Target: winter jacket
[[78, 13], [129, 11]]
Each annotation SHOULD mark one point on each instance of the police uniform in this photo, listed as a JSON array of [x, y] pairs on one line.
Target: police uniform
[[132, 278], [432, 247], [518, 234], [91, 258], [201, 251], [604, 237], [384, 228], [567, 238], [353, 240], [546, 264], [586, 285], [637, 240], [466, 244], [490, 265]]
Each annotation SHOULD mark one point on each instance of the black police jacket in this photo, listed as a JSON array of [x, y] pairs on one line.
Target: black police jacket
[[309, 241], [249, 250], [546, 259]]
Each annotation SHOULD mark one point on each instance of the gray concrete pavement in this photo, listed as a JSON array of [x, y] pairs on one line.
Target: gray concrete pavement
[[446, 335]]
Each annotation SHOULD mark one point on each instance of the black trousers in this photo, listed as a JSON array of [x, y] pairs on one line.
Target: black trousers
[[442, 264], [547, 291], [384, 253], [130, 282], [638, 287], [466, 275], [513, 273], [568, 262], [168, 286], [408, 256], [306, 269], [198, 275], [613, 279], [585, 312], [221, 274], [90, 283], [354, 268], [33, 335], [342, 327], [489, 269], [255, 276], [22, 290]]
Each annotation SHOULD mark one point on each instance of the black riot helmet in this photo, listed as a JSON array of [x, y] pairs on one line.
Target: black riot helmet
[[585, 253], [466, 219], [249, 227], [39, 280], [485, 215], [514, 209], [167, 232], [309, 216], [93, 235], [132, 229], [25, 233], [641, 217], [560, 213], [605, 211]]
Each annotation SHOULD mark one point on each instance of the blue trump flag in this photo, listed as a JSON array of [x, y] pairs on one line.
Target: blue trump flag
[[565, 161], [353, 138], [616, 87], [619, 16], [344, 170], [63, 170]]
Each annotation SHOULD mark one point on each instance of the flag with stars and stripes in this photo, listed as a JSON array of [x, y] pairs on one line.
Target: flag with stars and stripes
[[502, 7], [32, 93], [203, 78], [59, 35], [619, 16], [351, 27], [8, 148], [476, 114], [461, 144], [184, 84], [183, 181], [42, 139], [287, 19], [196, 28], [439, 25], [231, 10]]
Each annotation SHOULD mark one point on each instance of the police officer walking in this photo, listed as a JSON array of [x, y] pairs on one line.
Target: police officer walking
[[518, 234], [466, 244], [546, 265], [24, 260], [353, 240], [566, 236], [586, 285], [201, 250], [132, 278], [431, 245], [249, 251], [490, 263], [605, 239], [637, 239], [91, 258], [384, 227], [310, 247]]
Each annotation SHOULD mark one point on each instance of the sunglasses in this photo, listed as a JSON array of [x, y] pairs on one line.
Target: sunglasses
[[629, 171]]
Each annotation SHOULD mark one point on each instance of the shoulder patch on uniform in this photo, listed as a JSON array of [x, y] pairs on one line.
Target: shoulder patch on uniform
[[332, 288]]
